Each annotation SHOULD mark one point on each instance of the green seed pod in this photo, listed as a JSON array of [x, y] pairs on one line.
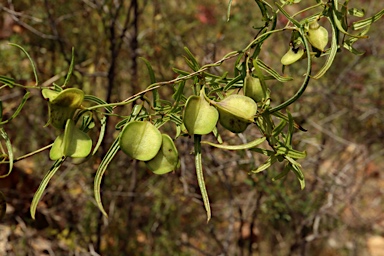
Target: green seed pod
[[199, 116], [292, 56], [317, 36], [140, 140], [62, 105], [72, 143], [166, 159], [236, 112], [253, 88]]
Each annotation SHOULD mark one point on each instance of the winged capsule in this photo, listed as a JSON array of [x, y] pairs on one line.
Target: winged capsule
[[236, 112], [253, 88], [140, 140], [317, 36], [72, 143], [199, 116], [167, 159], [62, 105], [292, 56]]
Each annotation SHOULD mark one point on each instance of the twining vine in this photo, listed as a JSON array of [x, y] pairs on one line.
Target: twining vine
[[237, 103]]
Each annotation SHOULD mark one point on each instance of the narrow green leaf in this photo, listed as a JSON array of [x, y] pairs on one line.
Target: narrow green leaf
[[356, 12], [229, 10], [200, 175], [273, 72], [98, 101], [367, 22], [337, 20], [191, 60], [332, 54], [39, 192], [279, 128], [151, 73], [271, 160], [103, 122], [70, 68], [152, 77], [234, 81], [180, 72], [289, 152], [284, 173], [263, 151], [295, 22], [19, 108], [101, 170], [248, 145], [30, 60], [299, 174], [7, 81], [288, 139]]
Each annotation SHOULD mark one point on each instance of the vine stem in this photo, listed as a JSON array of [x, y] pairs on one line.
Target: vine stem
[[200, 176]]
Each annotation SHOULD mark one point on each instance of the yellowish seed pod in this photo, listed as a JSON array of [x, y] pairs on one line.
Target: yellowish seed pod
[[253, 88], [166, 159], [292, 56], [140, 140], [199, 116], [236, 112], [317, 36]]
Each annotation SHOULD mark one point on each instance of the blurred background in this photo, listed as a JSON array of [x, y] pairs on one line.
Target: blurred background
[[340, 212]]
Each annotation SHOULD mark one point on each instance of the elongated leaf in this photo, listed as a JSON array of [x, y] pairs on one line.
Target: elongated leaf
[[30, 60], [200, 175], [299, 174], [279, 128], [8, 145], [284, 173], [152, 78], [332, 54], [180, 72], [19, 108], [295, 22], [229, 10], [263, 151], [191, 60], [271, 160], [98, 101], [288, 139], [234, 81], [367, 22], [289, 152], [70, 68], [273, 72], [101, 170], [7, 81], [338, 20], [39, 193], [249, 145], [103, 127]]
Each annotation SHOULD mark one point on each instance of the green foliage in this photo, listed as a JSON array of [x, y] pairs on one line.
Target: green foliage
[[202, 95]]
